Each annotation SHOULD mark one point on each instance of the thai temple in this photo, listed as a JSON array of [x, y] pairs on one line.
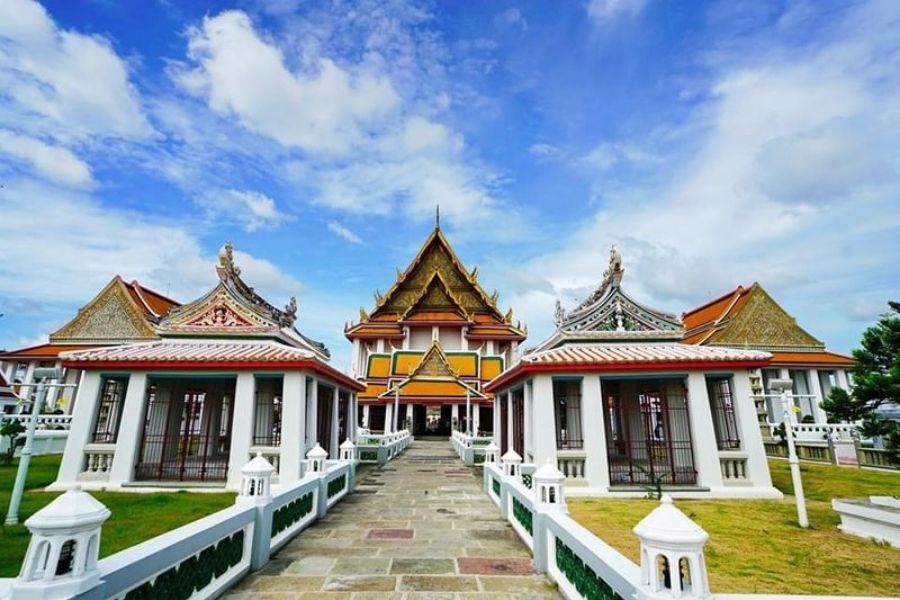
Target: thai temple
[[220, 380], [429, 346], [620, 404], [750, 318], [621, 396]]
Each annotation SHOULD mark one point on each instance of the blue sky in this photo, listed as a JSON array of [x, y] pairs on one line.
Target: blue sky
[[717, 143]]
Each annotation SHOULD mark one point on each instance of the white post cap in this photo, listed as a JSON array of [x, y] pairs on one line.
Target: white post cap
[[258, 467], [348, 445], [74, 511], [317, 452], [667, 526], [511, 456], [492, 447], [548, 473]]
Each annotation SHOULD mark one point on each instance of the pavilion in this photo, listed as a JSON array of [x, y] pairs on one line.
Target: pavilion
[[430, 345], [616, 401], [750, 318], [228, 376]]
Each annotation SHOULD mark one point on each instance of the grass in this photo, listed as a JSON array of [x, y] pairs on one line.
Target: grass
[[755, 546], [135, 517]]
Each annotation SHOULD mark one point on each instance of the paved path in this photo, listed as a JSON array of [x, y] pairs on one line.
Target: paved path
[[419, 527]]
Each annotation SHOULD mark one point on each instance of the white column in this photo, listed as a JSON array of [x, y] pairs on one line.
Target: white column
[[129, 436], [293, 425], [785, 374], [469, 413], [25, 388], [815, 389], [312, 414], [241, 427], [335, 414], [352, 416], [545, 434], [454, 417], [365, 416], [396, 409], [82, 429], [388, 417], [842, 381], [596, 468], [751, 436], [706, 451], [529, 429], [496, 419], [8, 371], [463, 340], [476, 418]]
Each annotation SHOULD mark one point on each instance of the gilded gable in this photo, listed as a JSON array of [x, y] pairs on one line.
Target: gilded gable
[[762, 322], [111, 316]]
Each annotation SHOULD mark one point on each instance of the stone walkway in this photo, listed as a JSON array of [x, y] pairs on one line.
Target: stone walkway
[[419, 527]]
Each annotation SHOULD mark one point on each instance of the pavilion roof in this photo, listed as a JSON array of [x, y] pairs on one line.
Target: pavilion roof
[[436, 288], [748, 318], [434, 376], [6, 392], [660, 356], [203, 354]]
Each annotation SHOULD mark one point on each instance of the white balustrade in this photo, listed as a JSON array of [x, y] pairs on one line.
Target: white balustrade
[[734, 467], [63, 422], [98, 459], [571, 463]]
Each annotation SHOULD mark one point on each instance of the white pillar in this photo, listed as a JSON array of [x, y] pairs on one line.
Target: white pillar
[[241, 427], [748, 426], [509, 421], [815, 389], [129, 436], [293, 425], [454, 417], [81, 430], [388, 417], [596, 468], [529, 428], [842, 381], [312, 414], [469, 413], [25, 388], [496, 419], [476, 417], [706, 450], [786, 374], [352, 416], [335, 414], [545, 434], [365, 416]]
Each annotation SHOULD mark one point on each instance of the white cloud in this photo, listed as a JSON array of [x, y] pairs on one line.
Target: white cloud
[[603, 11], [253, 210], [344, 232], [511, 17], [61, 82], [81, 244], [545, 151], [326, 110], [53, 162], [789, 178]]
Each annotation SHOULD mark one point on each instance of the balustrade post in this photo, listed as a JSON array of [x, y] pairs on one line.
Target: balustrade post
[[256, 491], [547, 484]]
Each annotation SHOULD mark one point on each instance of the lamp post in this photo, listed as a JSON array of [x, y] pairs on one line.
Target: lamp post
[[782, 386], [41, 374]]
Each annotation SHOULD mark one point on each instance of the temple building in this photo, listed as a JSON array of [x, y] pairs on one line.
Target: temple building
[[429, 346], [221, 379], [750, 318], [122, 312], [620, 405]]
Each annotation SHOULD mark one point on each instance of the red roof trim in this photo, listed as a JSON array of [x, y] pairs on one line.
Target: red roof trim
[[316, 366], [682, 365]]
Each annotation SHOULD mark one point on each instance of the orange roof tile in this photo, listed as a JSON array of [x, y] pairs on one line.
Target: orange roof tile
[[158, 304], [812, 358], [712, 310], [450, 316], [45, 351]]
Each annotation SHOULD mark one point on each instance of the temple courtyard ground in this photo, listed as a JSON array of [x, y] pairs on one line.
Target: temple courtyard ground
[[418, 527], [756, 546]]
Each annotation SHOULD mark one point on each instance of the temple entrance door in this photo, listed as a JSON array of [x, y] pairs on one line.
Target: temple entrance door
[[648, 433], [376, 417], [486, 420], [187, 431], [446, 422], [420, 420]]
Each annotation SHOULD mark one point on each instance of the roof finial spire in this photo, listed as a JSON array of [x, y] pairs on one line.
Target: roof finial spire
[[437, 216]]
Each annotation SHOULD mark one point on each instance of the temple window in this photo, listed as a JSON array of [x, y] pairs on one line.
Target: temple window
[[721, 404], [567, 405], [267, 414], [109, 409]]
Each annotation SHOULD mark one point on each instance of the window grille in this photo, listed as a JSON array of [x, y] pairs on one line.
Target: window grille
[[109, 411], [721, 404], [567, 404], [267, 416]]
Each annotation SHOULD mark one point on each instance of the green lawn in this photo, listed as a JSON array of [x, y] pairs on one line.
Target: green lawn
[[755, 546], [135, 517]]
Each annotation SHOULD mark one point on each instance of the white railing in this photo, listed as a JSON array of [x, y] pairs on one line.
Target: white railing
[[469, 448], [271, 454], [571, 463], [734, 467], [44, 421], [98, 459], [381, 448], [823, 431]]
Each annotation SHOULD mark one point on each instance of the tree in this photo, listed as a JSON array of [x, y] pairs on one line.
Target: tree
[[11, 429], [876, 379]]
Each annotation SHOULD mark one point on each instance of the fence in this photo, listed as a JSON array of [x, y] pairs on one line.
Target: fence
[[470, 448], [824, 452], [200, 560], [382, 448]]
